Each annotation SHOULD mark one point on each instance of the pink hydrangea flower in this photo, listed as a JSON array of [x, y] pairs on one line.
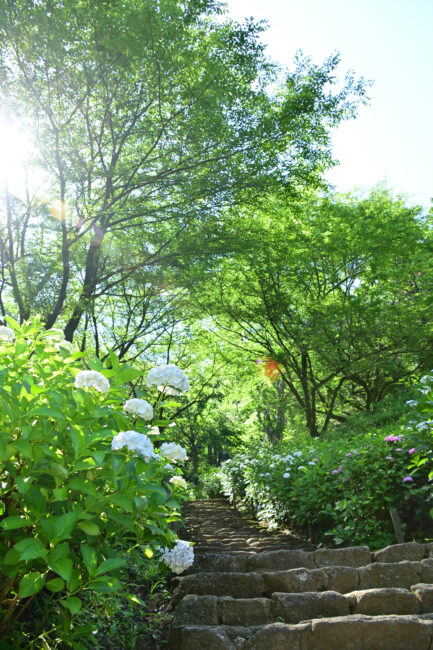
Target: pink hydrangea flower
[[411, 451], [393, 438]]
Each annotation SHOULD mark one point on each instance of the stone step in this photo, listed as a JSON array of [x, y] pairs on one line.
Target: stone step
[[353, 632], [343, 579], [247, 559], [296, 607], [208, 559]]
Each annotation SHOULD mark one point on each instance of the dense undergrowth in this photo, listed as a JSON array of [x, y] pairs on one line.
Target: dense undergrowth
[[339, 489], [90, 495]]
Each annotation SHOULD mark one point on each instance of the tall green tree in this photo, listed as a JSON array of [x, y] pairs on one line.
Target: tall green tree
[[149, 115], [337, 290]]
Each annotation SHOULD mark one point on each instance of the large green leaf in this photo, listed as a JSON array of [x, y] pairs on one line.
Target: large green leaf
[[30, 549], [30, 584], [14, 522]]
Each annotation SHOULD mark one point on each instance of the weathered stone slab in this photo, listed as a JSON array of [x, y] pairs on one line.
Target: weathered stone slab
[[199, 638], [380, 575], [197, 610], [237, 585], [276, 636], [294, 580], [293, 608], [280, 560], [399, 552], [353, 556], [362, 632], [373, 602], [213, 562], [245, 611], [426, 574], [337, 578], [424, 593]]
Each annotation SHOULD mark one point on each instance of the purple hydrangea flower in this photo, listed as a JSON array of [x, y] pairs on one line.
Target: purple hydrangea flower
[[408, 479], [393, 438]]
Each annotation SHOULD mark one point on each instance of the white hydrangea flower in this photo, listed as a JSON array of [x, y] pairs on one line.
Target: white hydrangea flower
[[67, 345], [92, 379], [179, 558], [6, 334], [179, 481], [411, 402], [424, 391], [301, 467], [153, 431], [286, 475], [54, 336], [172, 451], [423, 426], [427, 379], [168, 378], [140, 407], [135, 442], [297, 453]]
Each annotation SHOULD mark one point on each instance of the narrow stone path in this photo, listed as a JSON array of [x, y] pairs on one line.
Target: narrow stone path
[[252, 589]]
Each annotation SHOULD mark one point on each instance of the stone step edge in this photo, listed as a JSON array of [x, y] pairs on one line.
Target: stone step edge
[[335, 578], [391, 631], [294, 607], [355, 556]]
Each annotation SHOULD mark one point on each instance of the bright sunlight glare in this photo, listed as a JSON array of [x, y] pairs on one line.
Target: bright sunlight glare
[[16, 146]]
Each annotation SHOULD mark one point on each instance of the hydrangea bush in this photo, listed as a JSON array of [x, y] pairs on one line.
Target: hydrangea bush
[[339, 491], [81, 481]]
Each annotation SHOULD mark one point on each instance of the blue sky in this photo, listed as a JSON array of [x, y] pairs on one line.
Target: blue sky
[[387, 41]]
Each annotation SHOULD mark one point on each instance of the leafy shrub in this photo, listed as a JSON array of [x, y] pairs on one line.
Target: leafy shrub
[[341, 491], [71, 504], [210, 484]]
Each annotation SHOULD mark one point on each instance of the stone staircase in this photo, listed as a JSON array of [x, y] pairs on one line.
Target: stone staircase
[[250, 589]]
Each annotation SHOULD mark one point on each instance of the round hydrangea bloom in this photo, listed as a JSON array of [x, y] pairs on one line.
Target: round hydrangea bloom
[[169, 379], [67, 345], [172, 451], [180, 557], [179, 481], [286, 475], [139, 407], [92, 379], [135, 442], [6, 334]]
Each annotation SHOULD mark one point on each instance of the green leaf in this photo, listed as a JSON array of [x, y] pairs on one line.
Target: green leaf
[[123, 502], [90, 558], [110, 565], [30, 549], [30, 584], [82, 485], [55, 585], [58, 471], [58, 528], [105, 585], [14, 522], [48, 411], [63, 567], [89, 527], [133, 598], [73, 604]]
